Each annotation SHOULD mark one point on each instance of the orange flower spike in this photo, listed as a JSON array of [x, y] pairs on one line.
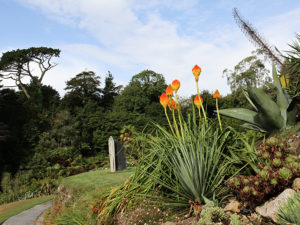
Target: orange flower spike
[[169, 90], [196, 71], [217, 94], [164, 100], [175, 85], [172, 105], [197, 101]]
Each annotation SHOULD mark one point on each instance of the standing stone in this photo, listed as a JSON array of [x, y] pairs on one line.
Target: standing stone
[[112, 154], [116, 155]]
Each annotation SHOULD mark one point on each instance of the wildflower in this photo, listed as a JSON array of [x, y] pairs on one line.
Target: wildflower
[[164, 100], [197, 101], [216, 94], [173, 104], [169, 90], [175, 85], [196, 71]]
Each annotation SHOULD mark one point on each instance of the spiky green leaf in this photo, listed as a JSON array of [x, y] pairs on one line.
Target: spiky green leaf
[[248, 98], [292, 112], [253, 127], [282, 98], [246, 115], [269, 111]]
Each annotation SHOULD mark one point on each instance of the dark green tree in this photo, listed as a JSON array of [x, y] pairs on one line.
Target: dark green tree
[[83, 87], [12, 119], [140, 98], [17, 65], [109, 92]]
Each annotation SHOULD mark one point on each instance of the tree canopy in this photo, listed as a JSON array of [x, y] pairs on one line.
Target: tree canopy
[[249, 71], [18, 64]]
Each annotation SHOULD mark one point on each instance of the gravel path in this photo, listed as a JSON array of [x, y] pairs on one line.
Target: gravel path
[[29, 216]]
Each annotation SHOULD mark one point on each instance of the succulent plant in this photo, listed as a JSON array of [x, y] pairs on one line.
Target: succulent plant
[[254, 192], [264, 174], [266, 155], [285, 173], [246, 190], [268, 115], [278, 154], [274, 181], [296, 167], [281, 145], [290, 159], [276, 169], [273, 141], [246, 181], [276, 162]]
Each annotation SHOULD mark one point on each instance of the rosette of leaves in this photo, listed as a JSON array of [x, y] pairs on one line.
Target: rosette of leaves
[[268, 115], [276, 170]]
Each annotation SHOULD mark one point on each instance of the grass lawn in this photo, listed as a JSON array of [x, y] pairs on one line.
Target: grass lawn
[[86, 185], [85, 189], [96, 180], [14, 208]]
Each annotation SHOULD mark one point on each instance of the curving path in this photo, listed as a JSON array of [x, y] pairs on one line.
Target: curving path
[[29, 216]]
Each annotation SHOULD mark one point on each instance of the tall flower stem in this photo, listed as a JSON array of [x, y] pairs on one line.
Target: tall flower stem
[[169, 121], [219, 119], [174, 118], [204, 114], [179, 116]]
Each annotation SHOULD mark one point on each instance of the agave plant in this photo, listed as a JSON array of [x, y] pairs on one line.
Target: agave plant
[[268, 115]]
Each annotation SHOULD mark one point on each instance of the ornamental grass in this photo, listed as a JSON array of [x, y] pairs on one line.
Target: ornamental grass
[[184, 166]]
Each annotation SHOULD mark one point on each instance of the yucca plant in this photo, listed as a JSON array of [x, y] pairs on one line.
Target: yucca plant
[[289, 212], [268, 116]]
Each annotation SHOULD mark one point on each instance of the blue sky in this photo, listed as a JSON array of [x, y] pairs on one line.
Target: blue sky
[[128, 36]]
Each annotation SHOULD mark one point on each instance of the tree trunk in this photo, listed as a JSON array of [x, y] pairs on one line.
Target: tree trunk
[[23, 88]]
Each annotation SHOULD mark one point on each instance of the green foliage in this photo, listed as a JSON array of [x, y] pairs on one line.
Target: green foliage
[[289, 212], [17, 64], [250, 71], [109, 92], [269, 116], [23, 186], [140, 99], [174, 171], [274, 173], [292, 67], [83, 87], [212, 214]]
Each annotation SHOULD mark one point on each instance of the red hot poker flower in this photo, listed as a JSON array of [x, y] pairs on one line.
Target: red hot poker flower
[[196, 71], [169, 90], [164, 100], [173, 103], [217, 94], [175, 85], [197, 102]]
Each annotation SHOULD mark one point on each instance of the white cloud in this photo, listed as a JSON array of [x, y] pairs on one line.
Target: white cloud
[[132, 36]]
